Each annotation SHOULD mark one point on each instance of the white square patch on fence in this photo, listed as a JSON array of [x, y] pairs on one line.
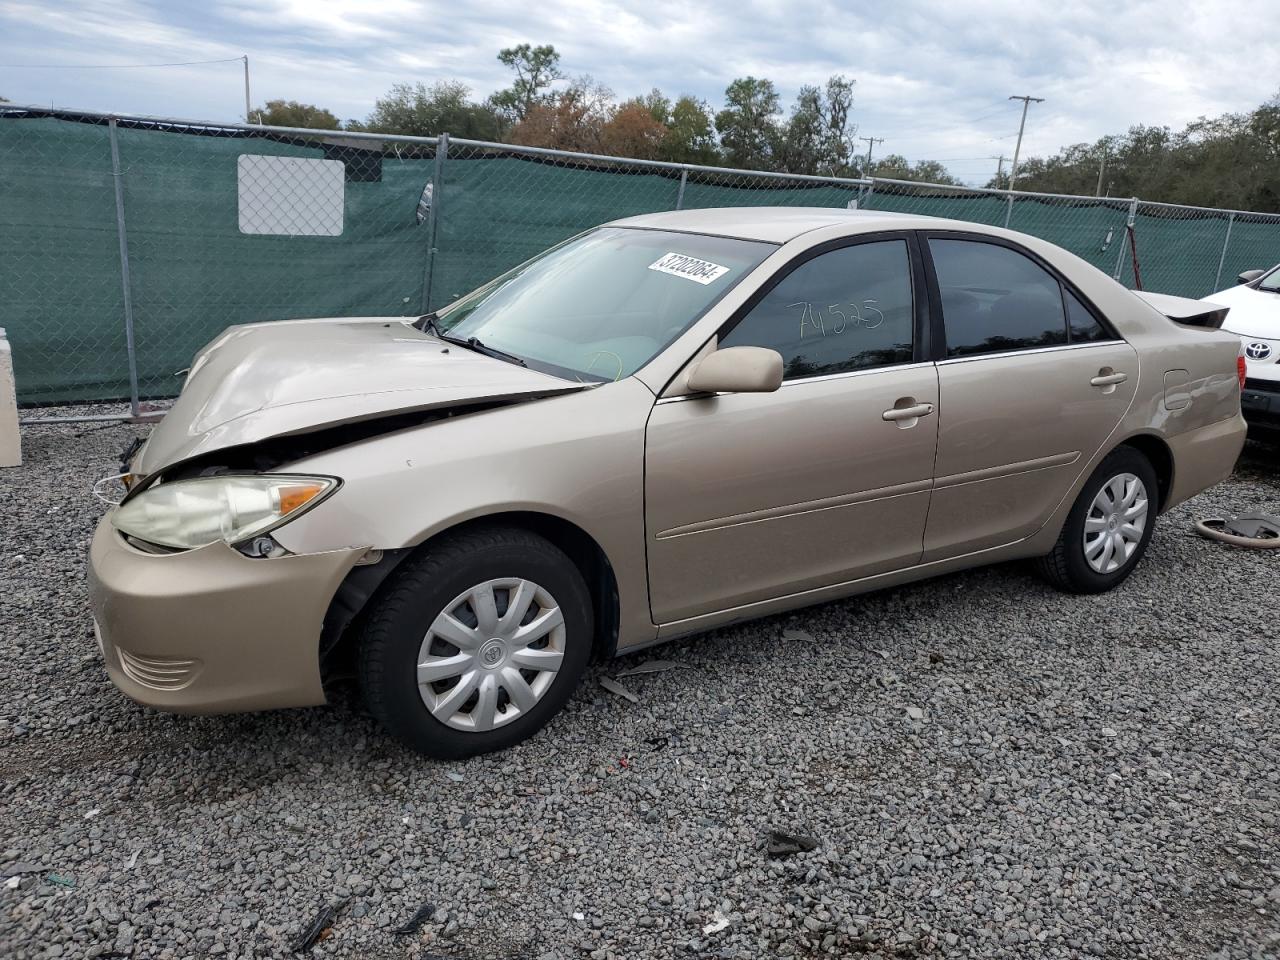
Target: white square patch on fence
[[290, 196]]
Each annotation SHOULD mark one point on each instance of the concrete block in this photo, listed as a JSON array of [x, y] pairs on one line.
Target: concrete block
[[10, 440]]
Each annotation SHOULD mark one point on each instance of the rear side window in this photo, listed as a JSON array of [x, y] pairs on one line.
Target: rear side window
[[1084, 327], [848, 309], [995, 299]]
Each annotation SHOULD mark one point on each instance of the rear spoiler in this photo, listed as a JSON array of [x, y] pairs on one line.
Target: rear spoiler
[[1189, 313]]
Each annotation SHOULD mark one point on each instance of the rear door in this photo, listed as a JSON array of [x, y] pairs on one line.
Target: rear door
[[1031, 384]]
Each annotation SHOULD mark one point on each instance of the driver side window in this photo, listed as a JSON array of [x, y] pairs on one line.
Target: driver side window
[[847, 309]]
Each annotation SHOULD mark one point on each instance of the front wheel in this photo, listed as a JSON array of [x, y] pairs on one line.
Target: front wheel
[[1109, 526], [479, 641]]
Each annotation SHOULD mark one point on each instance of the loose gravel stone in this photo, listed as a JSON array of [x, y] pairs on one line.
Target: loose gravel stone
[[1086, 776]]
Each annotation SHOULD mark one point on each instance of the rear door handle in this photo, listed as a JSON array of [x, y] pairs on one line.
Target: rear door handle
[[1109, 379], [908, 413]]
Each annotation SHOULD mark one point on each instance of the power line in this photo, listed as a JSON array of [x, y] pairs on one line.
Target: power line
[[112, 66]]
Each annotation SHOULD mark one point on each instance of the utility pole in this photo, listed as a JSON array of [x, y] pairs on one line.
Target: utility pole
[[871, 142], [1101, 170], [1026, 102], [247, 108], [999, 170]]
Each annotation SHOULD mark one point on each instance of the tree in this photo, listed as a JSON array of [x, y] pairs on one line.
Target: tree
[[633, 131], [573, 119], [819, 137], [291, 113], [748, 124], [421, 111], [536, 69], [1228, 161], [895, 166], [691, 134]]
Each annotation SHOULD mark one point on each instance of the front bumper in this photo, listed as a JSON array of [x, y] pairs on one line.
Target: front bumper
[[1260, 402], [211, 630]]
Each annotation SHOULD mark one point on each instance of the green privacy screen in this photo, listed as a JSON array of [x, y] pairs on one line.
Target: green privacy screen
[[207, 246]]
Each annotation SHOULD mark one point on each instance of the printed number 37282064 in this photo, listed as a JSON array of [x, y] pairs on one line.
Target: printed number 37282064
[[836, 318]]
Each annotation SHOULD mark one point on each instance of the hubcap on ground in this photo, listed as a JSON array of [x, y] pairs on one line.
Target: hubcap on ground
[[491, 654], [1114, 525]]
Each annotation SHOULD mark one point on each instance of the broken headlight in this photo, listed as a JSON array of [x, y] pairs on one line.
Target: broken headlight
[[193, 513]]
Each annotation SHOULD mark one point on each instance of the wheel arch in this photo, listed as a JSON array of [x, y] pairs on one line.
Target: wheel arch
[[1158, 453], [362, 586]]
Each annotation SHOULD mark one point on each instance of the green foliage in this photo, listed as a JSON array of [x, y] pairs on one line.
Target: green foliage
[[818, 139], [1229, 161], [895, 166], [748, 125], [421, 111], [291, 113], [536, 69]]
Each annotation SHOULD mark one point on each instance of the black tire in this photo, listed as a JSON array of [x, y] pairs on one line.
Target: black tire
[[418, 593], [1066, 566]]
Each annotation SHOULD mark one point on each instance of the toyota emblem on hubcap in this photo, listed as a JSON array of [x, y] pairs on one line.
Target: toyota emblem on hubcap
[[1257, 350], [491, 653]]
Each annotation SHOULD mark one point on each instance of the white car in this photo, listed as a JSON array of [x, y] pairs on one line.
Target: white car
[[1254, 316]]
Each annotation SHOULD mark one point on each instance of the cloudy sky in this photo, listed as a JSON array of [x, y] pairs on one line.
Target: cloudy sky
[[932, 77]]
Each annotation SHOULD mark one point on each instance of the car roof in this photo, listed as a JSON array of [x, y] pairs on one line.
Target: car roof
[[780, 224]]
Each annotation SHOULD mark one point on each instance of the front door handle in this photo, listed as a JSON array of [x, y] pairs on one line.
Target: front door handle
[[1108, 379], [906, 416]]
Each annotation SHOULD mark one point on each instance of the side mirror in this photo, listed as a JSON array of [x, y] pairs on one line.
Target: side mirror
[[738, 370], [1249, 276]]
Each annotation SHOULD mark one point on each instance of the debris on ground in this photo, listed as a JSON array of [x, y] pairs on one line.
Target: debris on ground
[[414, 923], [613, 686], [60, 881], [455, 776], [651, 666], [804, 636], [781, 843], [320, 926], [1257, 531], [915, 713], [718, 922]]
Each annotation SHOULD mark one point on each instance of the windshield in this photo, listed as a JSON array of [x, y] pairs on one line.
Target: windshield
[[603, 305], [1271, 282]]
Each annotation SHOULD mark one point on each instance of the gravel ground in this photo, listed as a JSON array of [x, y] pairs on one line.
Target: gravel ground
[[989, 769]]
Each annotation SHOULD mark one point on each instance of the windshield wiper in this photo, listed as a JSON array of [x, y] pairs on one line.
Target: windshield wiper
[[429, 324], [475, 344]]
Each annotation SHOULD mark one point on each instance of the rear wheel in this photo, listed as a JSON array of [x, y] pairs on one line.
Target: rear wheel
[[480, 640], [1108, 528]]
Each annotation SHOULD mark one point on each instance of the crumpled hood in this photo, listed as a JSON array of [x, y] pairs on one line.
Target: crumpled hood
[[297, 376], [1253, 313]]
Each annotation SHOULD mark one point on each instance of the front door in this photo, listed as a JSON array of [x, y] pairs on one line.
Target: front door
[[749, 497]]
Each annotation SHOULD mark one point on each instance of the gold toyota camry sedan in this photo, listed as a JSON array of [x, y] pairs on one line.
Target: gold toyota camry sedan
[[662, 425]]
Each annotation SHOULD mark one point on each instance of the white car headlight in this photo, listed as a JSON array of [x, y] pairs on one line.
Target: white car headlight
[[193, 513]]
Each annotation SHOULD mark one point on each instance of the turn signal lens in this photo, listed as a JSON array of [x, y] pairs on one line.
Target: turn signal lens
[[193, 513], [1242, 369]]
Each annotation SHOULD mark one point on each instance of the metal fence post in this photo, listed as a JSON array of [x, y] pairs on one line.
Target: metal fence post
[[124, 269], [1226, 241], [433, 217], [1124, 241], [1008, 211], [684, 178]]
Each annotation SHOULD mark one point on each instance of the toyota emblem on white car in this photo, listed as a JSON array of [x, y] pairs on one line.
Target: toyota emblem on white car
[[1257, 350]]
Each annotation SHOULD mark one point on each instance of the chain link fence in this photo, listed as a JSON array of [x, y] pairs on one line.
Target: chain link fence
[[131, 242]]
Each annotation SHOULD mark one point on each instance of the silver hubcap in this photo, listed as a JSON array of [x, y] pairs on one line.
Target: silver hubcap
[[1113, 528], [491, 654]]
